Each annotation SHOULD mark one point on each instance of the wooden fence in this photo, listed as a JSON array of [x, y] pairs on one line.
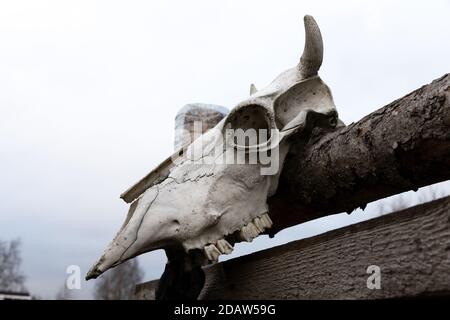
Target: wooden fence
[[411, 248]]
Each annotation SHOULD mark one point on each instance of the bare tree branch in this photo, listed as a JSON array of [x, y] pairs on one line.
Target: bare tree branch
[[64, 293], [119, 282], [402, 146], [11, 277]]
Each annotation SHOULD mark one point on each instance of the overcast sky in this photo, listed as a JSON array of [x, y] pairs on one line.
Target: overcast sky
[[89, 91]]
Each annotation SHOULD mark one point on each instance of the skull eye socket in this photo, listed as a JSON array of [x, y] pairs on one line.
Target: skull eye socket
[[249, 126], [311, 94]]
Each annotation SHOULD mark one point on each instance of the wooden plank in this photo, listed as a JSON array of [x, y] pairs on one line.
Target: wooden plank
[[411, 248]]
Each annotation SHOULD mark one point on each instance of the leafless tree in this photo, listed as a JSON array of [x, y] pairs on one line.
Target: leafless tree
[[119, 282], [11, 277], [64, 293]]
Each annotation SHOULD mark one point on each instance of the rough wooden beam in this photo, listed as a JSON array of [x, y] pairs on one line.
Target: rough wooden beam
[[402, 146], [411, 248]]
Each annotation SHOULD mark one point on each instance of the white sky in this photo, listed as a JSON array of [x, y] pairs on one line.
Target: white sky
[[89, 91]]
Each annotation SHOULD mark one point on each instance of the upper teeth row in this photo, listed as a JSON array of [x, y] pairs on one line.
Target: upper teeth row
[[247, 233], [213, 252], [255, 227]]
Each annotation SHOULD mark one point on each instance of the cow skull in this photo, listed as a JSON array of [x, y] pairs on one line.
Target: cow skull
[[191, 205]]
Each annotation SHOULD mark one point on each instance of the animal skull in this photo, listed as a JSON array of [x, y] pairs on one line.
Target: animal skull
[[189, 205]]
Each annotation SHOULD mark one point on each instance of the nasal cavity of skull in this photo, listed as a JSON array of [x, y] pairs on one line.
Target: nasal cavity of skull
[[250, 126]]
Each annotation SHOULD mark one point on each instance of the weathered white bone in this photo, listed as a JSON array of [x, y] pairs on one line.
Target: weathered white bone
[[224, 246], [247, 234], [212, 253], [259, 224], [191, 202], [266, 220], [253, 229]]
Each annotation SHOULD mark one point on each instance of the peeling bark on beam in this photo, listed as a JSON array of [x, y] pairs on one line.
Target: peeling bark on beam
[[411, 248], [402, 146]]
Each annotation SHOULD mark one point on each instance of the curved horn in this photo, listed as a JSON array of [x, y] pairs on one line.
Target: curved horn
[[312, 56]]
